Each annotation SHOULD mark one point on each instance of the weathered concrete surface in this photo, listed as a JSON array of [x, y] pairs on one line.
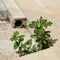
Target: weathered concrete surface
[[14, 12], [34, 9], [13, 9], [3, 11]]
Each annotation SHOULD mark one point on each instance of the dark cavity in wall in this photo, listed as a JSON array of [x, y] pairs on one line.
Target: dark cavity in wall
[[18, 23]]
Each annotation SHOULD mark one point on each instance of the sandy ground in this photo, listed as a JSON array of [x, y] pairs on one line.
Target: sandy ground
[[33, 9]]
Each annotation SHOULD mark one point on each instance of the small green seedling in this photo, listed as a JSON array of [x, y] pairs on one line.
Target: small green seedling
[[41, 35], [23, 48]]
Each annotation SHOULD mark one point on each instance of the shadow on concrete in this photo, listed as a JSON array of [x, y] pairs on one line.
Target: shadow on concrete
[[53, 41]]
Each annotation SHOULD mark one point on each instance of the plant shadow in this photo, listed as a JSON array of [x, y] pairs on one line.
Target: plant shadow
[[53, 41]]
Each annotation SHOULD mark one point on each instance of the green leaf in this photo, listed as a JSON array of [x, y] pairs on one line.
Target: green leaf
[[48, 35], [39, 32], [16, 45], [38, 39], [31, 26], [44, 41], [16, 33], [23, 46], [40, 18], [29, 42], [50, 23], [34, 24], [47, 45], [34, 49], [47, 24], [40, 45], [21, 38], [14, 38], [42, 22]]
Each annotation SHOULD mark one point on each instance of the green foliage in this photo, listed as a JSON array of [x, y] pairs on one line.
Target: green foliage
[[16, 45], [23, 48], [29, 42], [14, 37], [40, 23], [34, 48], [41, 37]]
